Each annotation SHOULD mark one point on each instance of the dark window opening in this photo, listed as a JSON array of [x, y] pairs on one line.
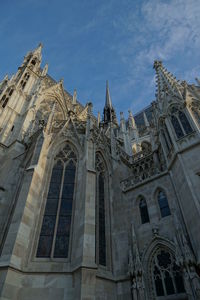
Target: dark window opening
[[144, 211], [177, 127], [185, 123], [163, 204], [102, 233]]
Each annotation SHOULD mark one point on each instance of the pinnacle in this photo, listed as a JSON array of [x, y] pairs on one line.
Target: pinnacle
[[165, 81], [108, 98]]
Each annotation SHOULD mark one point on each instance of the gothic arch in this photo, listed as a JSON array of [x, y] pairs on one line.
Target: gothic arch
[[142, 209], [155, 197], [103, 234], [150, 250], [146, 146], [57, 145], [64, 165], [101, 151], [180, 120]]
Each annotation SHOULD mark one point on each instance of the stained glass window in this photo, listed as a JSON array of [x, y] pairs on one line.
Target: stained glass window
[[102, 233], [55, 232], [166, 274], [165, 141], [185, 123], [196, 113], [163, 204], [177, 127], [144, 211], [101, 225], [180, 123]]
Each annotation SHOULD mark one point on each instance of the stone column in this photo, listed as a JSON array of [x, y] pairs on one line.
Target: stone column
[[88, 270]]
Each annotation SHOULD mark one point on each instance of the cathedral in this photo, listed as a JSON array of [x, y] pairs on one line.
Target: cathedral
[[92, 207]]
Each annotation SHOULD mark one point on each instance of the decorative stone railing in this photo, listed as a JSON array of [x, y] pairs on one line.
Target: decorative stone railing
[[135, 179], [144, 165], [130, 160]]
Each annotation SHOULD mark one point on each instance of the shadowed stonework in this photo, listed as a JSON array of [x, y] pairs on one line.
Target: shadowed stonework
[[93, 209]]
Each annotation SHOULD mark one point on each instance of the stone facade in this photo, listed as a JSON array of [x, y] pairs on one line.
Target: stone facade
[[93, 209]]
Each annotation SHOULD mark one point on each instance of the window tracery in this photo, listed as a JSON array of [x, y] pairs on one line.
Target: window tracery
[[163, 204], [55, 231], [5, 98], [166, 274], [180, 123], [24, 80], [101, 215], [196, 112], [143, 210]]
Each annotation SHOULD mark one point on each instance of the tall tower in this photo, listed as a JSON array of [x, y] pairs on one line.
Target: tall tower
[[17, 94]]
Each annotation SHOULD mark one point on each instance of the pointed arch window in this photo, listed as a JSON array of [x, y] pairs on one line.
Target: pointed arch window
[[143, 210], [167, 276], [24, 80], [180, 123], [163, 204], [185, 123], [6, 96], [56, 227], [101, 256]]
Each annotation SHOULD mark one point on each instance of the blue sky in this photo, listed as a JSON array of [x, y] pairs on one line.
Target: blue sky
[[87, 42]]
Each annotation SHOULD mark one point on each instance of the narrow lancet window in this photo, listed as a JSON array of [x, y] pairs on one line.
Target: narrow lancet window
[[101, 212], [163, 204], [143, 211], [185, 123], [177, 127], [56, 227], [102, 232], [180, 123]]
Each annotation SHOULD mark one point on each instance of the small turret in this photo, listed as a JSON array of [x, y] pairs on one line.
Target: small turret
[[98, 119], [133, 126], [146, 122], [74, 100], [45, 70]]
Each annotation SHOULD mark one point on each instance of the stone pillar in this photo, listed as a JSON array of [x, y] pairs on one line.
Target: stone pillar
[[88, 270]]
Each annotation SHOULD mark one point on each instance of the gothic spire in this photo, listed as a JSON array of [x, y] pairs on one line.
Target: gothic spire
[[108, 102], [166, 83], [109, 112], [38, 50]]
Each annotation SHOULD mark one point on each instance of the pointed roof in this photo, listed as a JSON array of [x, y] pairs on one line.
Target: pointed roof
[[38, 50], [165, 81], [108, 102], [131, 120]]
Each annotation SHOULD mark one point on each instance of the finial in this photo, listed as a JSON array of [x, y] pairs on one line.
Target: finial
[[131, 119], [89, 105], [121, 116], [6, 78], [61, 80], [38, 50], [40, 45], [157, 64], [98, 118], [45, 70], [146, 122], [74, 97], [108, 99]]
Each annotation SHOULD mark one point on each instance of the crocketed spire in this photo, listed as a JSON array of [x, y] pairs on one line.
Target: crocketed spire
[[166, 83]]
